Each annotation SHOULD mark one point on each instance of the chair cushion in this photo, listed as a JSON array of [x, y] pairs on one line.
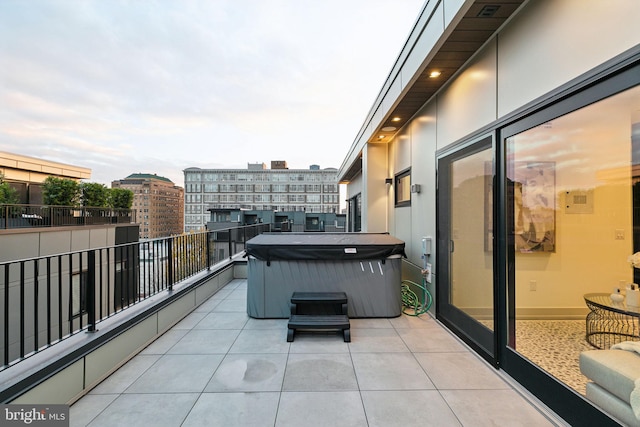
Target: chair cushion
[[611, 404], [614, 370]]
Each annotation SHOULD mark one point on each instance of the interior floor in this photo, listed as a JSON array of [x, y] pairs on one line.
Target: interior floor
[[555, 346]]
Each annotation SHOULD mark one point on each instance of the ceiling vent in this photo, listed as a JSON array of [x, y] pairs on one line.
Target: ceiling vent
[[488, 11]]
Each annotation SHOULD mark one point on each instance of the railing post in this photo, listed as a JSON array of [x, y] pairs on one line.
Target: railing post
[[244, 237], [5, 357], [91, 291], [230, 240], [170, 262], [208, 248]]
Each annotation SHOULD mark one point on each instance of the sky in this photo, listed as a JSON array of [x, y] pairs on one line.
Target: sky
[[157, 86]]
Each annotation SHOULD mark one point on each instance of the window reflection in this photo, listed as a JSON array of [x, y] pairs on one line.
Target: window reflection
[[571, 184]]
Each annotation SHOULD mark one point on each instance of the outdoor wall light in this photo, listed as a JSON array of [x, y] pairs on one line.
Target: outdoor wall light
[[415, 188], [388, 181]]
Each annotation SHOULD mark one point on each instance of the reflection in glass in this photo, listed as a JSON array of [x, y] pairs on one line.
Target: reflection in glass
[[570, 183], [471, 232]]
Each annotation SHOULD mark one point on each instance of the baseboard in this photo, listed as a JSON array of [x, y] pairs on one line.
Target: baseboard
[[537, 313]]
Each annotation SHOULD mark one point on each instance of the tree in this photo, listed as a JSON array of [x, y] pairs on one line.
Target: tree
[[60, 191], [94, 195], [8, 194], [120, 198]]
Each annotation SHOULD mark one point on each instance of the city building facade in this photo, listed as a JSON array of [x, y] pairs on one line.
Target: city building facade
[[503, 148], [26, 174], [312, 190], [158, 202], [296, 221]]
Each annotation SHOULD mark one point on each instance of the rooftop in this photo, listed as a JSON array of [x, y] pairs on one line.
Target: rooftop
[[148, 176], [219, 367]]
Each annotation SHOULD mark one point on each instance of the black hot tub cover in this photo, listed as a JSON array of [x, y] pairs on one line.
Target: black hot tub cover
[[324, 246]]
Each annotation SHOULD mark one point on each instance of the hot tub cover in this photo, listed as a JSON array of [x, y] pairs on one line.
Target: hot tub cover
[[324, 246]]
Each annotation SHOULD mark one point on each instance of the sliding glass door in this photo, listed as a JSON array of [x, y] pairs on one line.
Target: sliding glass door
[[465, 245]]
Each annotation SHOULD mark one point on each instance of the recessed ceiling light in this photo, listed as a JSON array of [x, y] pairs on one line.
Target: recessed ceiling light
[[380, 136], [396, 119], [388, 128], [434, 74]]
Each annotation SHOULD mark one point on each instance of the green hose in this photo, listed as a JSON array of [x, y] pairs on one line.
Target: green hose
[[412, 305]]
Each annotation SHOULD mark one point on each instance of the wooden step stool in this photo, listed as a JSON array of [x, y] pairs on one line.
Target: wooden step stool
[[319, 310]]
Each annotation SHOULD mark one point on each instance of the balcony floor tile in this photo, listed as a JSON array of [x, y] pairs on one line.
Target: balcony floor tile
[[321, 409], [205, 341], [498, 408], [249, 372], [390, 371], [177, 373], [218, 367], [234, 409], [158, 410], [319, 372]]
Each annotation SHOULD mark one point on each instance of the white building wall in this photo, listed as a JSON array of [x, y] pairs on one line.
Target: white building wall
[[469, 102], [354, 187], [525, 61], [375, 210], [423, 134], [552, 42]]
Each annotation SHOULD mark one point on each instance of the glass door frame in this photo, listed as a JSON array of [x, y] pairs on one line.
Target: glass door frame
[[564, 401], [482, 340], [617, 75]]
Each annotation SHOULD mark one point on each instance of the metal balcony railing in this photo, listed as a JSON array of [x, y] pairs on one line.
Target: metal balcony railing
[[35, 216], [47, 299]]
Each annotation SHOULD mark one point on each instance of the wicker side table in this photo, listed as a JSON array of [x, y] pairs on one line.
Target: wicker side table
[[609, 322]]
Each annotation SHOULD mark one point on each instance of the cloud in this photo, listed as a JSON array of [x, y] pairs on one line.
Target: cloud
[[158, 86]]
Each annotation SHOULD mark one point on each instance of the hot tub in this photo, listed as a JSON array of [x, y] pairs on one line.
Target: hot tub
[[366, 266]]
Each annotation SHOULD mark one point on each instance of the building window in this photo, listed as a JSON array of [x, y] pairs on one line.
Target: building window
[[355, 213], [262, 188], [403, 188], [330, 188]]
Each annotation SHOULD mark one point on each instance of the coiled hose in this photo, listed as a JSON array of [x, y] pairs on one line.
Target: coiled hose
[[412, 305]]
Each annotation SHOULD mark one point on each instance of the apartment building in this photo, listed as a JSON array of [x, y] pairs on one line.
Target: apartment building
[[159, 204], [312, 190]]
